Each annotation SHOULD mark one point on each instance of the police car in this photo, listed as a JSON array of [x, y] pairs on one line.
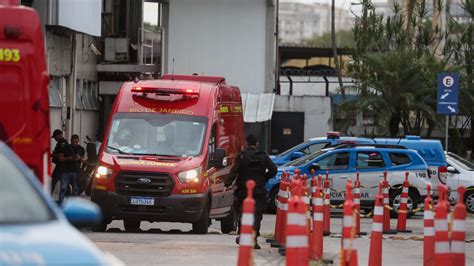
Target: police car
[[314, 145], [370, 160]]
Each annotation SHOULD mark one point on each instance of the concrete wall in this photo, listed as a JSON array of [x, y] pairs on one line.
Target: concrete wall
[[81, 15], [317, 111], [220, 37]]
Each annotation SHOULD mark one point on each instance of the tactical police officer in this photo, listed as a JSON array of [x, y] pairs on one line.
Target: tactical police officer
[[252, 164]]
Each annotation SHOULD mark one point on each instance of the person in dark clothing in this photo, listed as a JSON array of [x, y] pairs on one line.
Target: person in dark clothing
[[66, 161], [56, 175], [256, 165], [79, 151]]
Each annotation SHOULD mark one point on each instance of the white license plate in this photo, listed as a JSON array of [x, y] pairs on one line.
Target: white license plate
[[142, 201]]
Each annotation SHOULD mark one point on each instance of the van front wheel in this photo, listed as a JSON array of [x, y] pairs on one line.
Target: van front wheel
[[202, 225]]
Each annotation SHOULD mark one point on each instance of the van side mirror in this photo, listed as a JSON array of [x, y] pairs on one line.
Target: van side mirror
[[219, 159], [314, 167], [296, 155], [452, 170]]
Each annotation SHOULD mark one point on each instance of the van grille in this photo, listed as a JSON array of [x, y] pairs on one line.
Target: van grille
[[144, 184]]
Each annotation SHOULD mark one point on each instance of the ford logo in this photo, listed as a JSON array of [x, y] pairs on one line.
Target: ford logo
[[143, 181]]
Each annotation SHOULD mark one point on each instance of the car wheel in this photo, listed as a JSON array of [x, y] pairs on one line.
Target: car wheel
[[229, 223], [272, 205], [202, 225], [469, 201], [395, 200], [131, 225]]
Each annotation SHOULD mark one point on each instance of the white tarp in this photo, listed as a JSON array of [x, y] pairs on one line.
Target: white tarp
[[257, 107]]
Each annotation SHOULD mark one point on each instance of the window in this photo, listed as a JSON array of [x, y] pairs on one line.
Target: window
[[54, 93], [338, 161], [314, 148], [399, 158], [79, 93], [211, 146], [369, 160]]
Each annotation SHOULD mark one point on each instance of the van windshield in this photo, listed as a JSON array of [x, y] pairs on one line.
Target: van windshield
[[157, 134]]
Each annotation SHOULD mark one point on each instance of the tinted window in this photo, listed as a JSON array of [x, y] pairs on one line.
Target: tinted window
[[369, 160], [306, 159], [314, 148], [19, 201], [338, 161], [399, 158]]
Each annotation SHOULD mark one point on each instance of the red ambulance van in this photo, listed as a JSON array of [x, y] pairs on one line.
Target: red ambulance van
[[24, 103], [167, 152]]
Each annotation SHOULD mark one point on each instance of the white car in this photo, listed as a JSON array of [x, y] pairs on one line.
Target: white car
[[461, 173]]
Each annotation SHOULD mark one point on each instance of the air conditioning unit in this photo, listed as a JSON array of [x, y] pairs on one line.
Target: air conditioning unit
[[116, 49]]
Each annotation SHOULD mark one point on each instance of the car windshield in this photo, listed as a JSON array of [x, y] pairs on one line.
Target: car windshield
[[20, 202], [463, 163], [157, 134], [306, 159]]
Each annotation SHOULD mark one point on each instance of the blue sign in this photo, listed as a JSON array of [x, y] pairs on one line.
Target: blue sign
[[448, 93]]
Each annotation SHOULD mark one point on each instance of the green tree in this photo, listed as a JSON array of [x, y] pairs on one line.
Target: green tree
[[395, 64]]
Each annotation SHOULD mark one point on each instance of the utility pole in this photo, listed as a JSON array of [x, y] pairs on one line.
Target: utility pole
[[334, 45]]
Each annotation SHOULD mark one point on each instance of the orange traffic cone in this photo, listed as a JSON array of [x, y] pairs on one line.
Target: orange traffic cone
[[296, 239], [284, 196], [348, 254], [402, 212], [375, 255], [429, 230], [357, 205], [247, 234], [316, 247], [386, 203], [278, 220], [442, 248], [327, 206], [458, 236]]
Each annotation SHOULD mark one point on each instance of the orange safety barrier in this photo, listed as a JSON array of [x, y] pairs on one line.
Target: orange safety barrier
[[296, 239], [458, 234], [402, 212], [349, 253], [247, 234], [316, 244], [375, 255], [327, 206], [442, 247], [429, 230]]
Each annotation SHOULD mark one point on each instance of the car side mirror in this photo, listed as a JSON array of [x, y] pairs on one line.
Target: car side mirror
[[314, 167], [82, 213], [219, 159], [452, 170], [296, 155]]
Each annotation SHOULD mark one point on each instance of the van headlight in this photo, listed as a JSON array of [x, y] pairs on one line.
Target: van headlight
[[190, 176], [103, 172]]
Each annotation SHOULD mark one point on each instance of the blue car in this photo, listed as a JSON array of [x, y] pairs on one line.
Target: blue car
[[370, 160], [314, 145], [33, 230]]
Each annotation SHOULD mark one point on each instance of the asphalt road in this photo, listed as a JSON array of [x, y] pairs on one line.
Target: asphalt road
[[174, 244]]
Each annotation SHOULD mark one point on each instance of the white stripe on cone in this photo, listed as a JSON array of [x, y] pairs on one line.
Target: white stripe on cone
[[378, 210], [356, 190], [247, 219], [459, 226], [283, 206], [377, 227], [346, 244], [385, 191], [385, 201], [283, 194], [441, 225], [296, 219], [405, 190], [429, 231], [357, 201], [404, 200], [428, 215], [318, 201], [348, 220], [318, 217], [458, 247], [442, 247], [296, 241], [246, 240]]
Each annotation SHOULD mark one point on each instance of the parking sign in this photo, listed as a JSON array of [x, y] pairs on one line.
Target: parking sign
[[448, 93]]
